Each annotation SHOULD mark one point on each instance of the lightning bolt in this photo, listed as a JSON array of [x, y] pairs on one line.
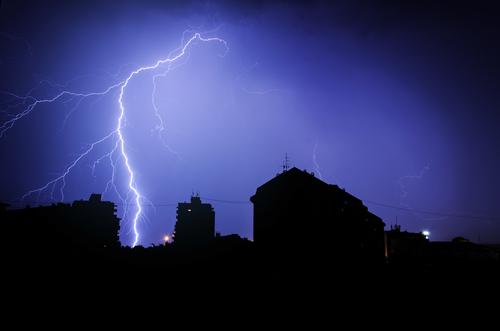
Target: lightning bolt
[[119, 148], [402, 182], [315, 161]]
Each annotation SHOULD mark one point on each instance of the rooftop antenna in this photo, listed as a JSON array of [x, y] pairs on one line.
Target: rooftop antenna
[[286, 163]]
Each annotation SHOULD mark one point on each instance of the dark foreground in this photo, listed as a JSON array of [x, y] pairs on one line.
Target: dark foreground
[[239, 288], [239, 272]]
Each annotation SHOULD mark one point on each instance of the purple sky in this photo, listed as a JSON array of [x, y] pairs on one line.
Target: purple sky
[[397, 103]]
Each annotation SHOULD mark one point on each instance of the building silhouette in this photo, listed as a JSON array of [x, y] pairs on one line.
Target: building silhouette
[[195, 224], [404, 246], [462, 251], [3, 207], [299, 217], [91, 224]]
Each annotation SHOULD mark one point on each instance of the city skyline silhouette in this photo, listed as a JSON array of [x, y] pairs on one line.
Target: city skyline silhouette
[[394, 102]]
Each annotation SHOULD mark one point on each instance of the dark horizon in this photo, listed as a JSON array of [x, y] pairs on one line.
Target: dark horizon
[[395, 102]]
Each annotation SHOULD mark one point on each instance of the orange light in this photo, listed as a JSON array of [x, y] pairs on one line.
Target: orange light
[[166, 238]]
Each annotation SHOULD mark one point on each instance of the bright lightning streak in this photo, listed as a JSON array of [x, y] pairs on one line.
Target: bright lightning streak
[[120, 144]]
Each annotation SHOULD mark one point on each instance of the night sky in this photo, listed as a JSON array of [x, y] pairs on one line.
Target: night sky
[[398, 102]]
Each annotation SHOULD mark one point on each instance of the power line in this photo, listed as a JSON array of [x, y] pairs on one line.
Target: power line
[[435, 213], [385, 205], [226, 201]]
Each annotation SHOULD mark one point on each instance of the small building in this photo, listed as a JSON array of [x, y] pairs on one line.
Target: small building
[[298, 216], [3, 208], [405, 247], [82, 224], [99, 219], [462, 251], [195, 224]]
